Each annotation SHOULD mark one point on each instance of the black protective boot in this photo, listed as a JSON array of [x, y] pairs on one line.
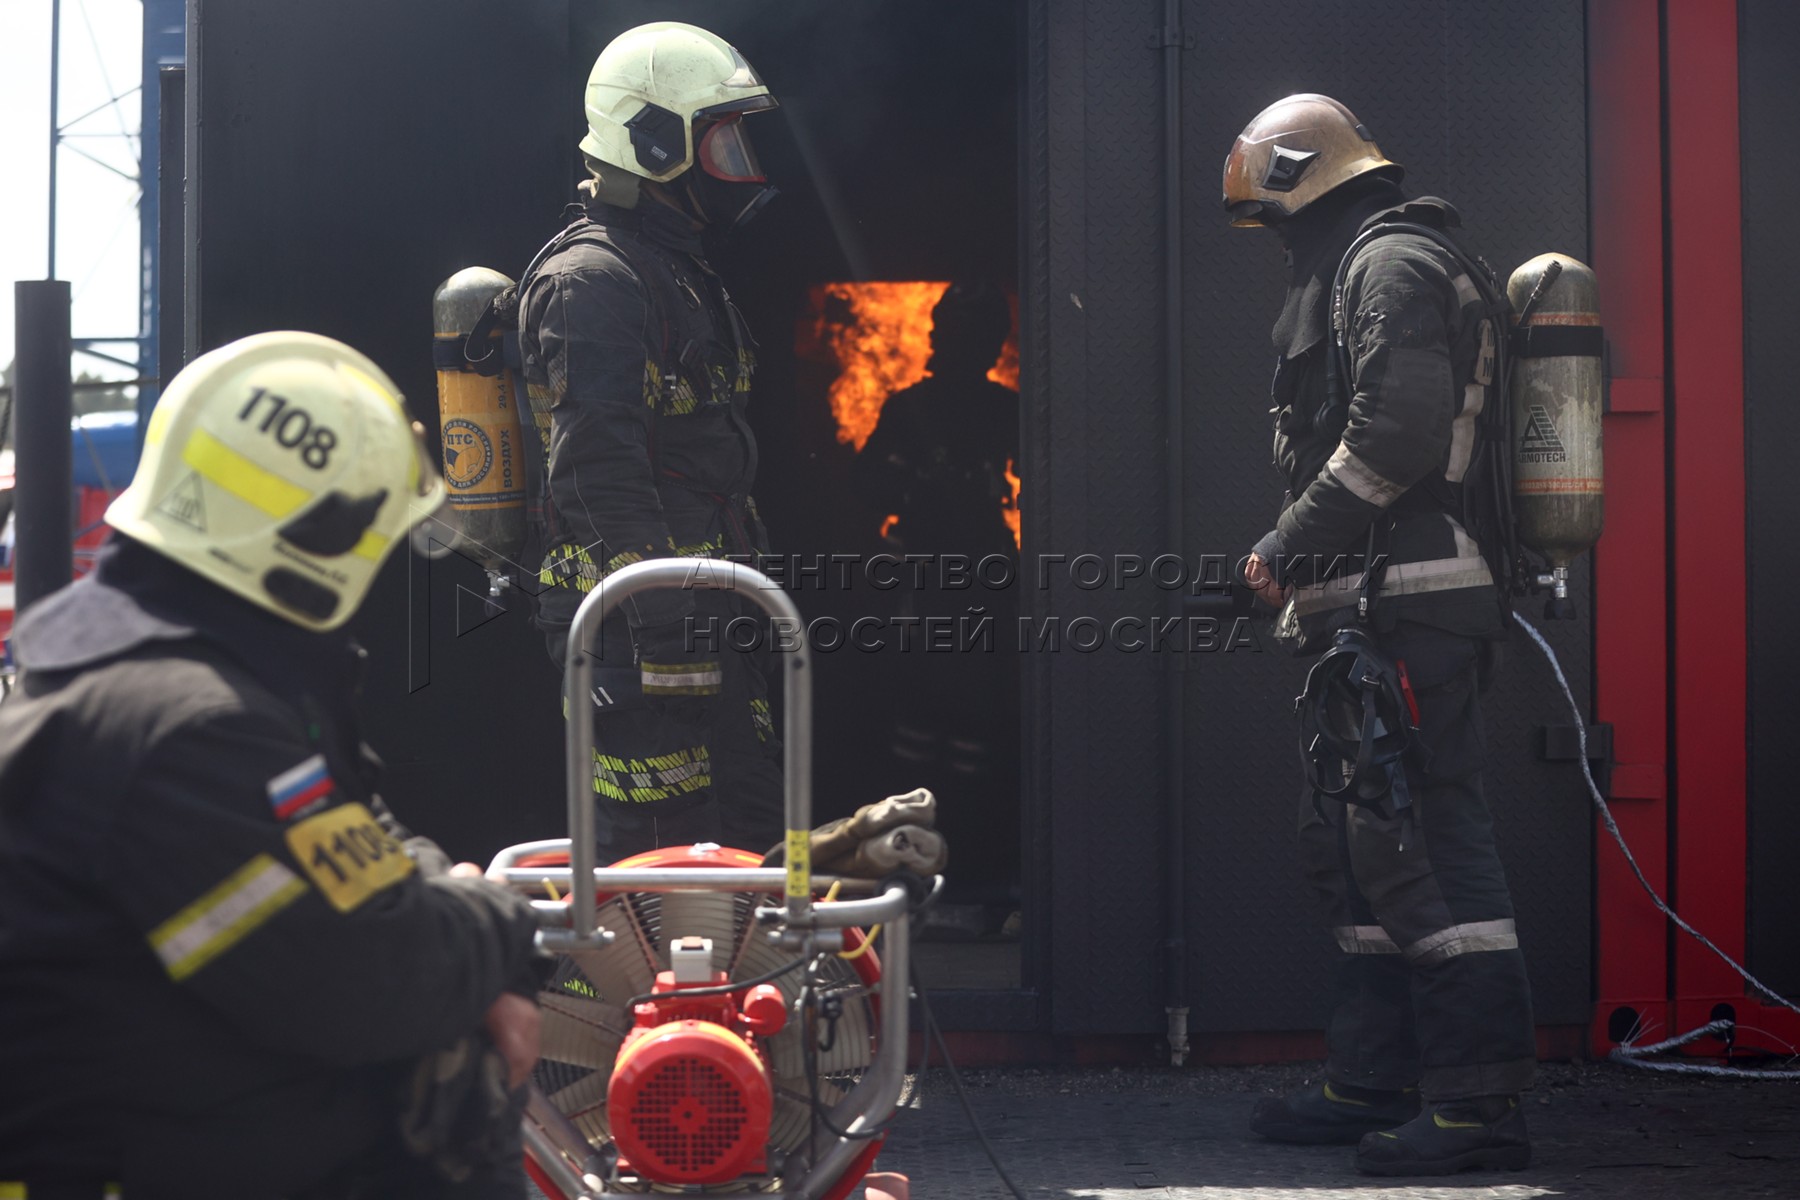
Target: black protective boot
[[1456, 1135], [1332, 1114]]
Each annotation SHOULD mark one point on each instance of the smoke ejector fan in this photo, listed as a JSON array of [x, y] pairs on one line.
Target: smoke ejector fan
[[688, 1106]]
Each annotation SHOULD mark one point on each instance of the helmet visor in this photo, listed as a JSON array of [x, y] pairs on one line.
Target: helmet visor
[[726, 153]]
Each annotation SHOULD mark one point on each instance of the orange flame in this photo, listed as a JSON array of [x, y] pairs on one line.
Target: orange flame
[[879, 337], [1009, 505], [1006, 371]]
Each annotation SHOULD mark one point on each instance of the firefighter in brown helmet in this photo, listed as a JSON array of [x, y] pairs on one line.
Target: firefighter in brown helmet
[[1374, 447]]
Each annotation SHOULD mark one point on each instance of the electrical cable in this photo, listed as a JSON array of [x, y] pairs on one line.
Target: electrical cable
[[1625, 1053], [810, 1049], [1638, 1056], [934, 1033]]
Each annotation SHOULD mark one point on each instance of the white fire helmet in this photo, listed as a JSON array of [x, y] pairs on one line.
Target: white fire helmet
[[284, 468], [653, 84]]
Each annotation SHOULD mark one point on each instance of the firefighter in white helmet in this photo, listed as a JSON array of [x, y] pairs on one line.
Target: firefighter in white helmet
[[221, 958], [639, 371]]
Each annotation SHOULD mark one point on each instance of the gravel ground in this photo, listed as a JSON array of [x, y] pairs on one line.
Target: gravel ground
[[1598, 1131]]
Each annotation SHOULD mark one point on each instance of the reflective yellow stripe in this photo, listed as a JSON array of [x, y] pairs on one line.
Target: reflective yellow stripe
[[222, 917], [12, 1191], [250, 483], [372, 546], [153, 436]]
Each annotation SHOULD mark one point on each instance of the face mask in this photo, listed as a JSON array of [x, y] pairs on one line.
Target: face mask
[[729, 185]]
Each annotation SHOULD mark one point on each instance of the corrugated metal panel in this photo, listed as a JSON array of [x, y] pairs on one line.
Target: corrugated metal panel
[[1485, 104]]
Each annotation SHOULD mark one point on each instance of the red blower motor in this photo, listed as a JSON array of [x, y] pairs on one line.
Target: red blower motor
[[690, 1098]]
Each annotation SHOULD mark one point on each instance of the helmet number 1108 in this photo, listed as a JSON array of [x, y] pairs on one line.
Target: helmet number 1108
[[292, 427]]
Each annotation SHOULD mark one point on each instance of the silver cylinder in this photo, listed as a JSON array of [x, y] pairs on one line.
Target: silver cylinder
[[1558, 481]]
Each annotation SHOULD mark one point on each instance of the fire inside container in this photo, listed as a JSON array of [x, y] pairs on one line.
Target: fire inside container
[[879, 337]]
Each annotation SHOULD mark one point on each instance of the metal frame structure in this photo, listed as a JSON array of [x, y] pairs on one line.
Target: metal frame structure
[[800, 923], [164, 39]]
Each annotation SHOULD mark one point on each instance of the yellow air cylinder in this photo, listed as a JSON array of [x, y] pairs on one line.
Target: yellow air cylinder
[[1558, 484], [479, 406]]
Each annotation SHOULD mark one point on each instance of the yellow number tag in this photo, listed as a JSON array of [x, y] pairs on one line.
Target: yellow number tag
[[348, 855]]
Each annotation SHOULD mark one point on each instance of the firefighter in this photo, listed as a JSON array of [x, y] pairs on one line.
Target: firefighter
[[1433, 1002], [638, 367], [225, 969]]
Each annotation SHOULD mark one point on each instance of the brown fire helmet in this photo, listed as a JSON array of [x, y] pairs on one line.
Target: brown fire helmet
[[1293, 152]]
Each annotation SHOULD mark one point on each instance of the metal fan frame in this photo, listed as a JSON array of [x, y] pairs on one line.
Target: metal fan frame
[[559, 1153]]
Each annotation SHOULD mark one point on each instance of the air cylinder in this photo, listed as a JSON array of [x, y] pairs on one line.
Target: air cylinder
[[478, 402], [1558, 484]]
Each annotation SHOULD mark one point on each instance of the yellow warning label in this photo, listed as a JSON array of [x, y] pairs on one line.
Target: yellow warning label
[[481, 436], [799, 864]]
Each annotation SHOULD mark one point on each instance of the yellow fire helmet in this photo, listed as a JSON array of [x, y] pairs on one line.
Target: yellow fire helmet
[[653, 84], [283, 467], [1293, 152]]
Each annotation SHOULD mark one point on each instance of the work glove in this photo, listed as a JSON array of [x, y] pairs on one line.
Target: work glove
[[455, 1110], [677, 679], [890, 835]]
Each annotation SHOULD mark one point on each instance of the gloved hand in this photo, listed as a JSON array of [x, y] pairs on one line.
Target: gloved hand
[[456, 1110], [889, 835], [678, 679]]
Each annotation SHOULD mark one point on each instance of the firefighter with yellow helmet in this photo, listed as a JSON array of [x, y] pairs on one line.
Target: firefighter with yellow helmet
[[221, 958], [1386, 348], [639, 371]]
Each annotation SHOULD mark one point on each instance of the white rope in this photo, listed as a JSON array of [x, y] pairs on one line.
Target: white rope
[[1625, 1052]]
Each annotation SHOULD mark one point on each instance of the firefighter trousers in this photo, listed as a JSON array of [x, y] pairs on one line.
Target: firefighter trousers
[[1431, 986], [698, 769]]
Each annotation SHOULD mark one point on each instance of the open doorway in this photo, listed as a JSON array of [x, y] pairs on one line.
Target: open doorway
[[895, 148]]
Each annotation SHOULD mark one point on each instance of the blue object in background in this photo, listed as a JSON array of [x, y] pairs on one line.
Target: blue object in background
[[105, 446]]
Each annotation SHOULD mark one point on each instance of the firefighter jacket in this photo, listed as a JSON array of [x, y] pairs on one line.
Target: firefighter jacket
[[1421, 370], [638, 368], [218, 951]]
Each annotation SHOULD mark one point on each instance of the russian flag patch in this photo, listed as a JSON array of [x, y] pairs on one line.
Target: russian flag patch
[[294, 789]]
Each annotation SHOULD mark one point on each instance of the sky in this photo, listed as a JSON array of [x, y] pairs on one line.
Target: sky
[[97, 234]]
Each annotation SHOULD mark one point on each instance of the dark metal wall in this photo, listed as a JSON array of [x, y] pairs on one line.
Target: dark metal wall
[[1770, 112], [1091, 392], [347, 159], [1485, 103]]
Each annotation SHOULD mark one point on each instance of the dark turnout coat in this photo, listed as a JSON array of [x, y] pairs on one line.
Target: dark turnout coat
[[219, 953], [1418, 381], [638, 367]]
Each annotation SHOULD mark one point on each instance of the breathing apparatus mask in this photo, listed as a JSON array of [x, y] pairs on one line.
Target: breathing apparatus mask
[[728, 184]]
